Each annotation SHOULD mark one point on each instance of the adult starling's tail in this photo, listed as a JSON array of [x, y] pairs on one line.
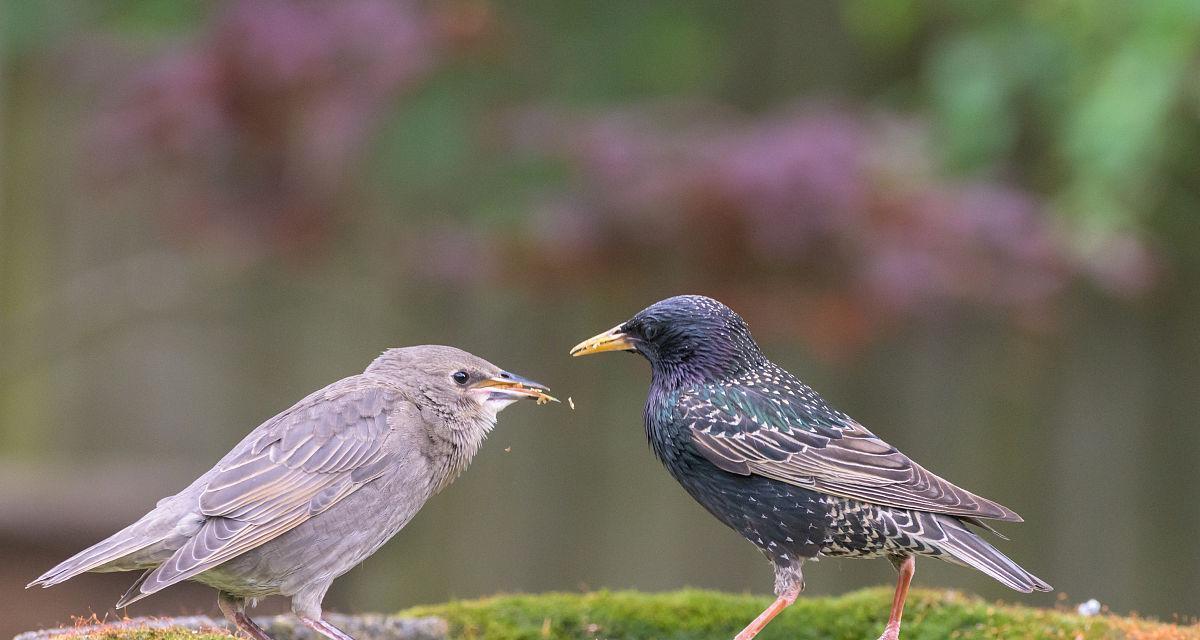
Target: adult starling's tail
[[965, 547]]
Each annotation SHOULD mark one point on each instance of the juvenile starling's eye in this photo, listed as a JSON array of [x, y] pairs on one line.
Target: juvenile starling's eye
[[461, 377]]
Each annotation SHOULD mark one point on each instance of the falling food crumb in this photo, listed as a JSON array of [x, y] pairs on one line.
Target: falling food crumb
[[507, 449], [571, 402]]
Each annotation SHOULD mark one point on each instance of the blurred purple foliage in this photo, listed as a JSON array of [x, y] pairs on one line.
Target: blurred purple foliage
[[254, 128], [841, 212], [252, 131]]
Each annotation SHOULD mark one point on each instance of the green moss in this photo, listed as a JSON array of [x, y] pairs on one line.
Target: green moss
[[690, 614], [708, 615]]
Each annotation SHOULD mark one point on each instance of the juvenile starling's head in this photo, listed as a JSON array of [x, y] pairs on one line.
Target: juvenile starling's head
[[465, 388], [684, 336]]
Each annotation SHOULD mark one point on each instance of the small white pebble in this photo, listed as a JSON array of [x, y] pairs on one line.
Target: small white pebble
[[571, 402], [1089, 608], [507, 449]]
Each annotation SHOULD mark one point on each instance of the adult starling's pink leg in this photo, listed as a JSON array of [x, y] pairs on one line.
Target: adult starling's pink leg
[[782, 602], [235, 611], [325, 629], [906, 568]]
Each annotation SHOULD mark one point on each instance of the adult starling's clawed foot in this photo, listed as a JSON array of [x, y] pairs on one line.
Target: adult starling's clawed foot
[[905, 568], [771, 459], [314, 491], [782, 602]]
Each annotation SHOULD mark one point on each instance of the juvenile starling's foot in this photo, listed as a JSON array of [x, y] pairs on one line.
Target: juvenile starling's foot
[[235, 611], [325, 629]]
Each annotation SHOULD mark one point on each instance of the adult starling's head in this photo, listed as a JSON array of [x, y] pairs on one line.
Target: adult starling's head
[[463, 387], [683, 336]]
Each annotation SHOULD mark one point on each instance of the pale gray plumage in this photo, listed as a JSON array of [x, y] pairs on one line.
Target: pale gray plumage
[[313, 491]]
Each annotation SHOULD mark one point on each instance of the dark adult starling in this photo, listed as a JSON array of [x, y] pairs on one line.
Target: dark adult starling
[[313, 491], [771, 459]]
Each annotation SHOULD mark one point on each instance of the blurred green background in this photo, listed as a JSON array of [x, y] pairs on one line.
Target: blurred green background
[[971, 225]]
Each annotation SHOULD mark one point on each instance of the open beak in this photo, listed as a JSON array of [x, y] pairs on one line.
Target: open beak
[[612, 340], [512, 386]]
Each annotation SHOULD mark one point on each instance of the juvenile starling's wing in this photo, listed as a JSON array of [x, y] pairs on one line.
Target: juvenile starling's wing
[[787, 433], [290, 469]]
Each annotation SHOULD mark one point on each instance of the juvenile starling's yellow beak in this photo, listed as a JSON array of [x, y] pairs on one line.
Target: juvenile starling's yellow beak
[[612, 340], [513, 385]]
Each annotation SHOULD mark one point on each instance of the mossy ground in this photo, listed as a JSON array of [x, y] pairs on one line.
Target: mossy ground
[[688, 615], [156, 634], [708, 615]]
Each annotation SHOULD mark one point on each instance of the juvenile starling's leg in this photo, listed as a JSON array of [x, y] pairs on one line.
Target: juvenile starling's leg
[[906, 567], [235, 611], [783, 602], [325, 629]]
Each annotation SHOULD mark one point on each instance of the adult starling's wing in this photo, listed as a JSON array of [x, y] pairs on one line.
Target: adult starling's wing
[[290, 469], [787, 437]]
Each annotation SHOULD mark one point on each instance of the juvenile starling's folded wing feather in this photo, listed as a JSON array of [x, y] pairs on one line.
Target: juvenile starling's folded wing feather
[[747, 431], [292, 468]]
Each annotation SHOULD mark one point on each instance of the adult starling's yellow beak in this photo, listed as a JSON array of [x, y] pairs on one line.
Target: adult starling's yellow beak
[[511, 384], [612, 340]]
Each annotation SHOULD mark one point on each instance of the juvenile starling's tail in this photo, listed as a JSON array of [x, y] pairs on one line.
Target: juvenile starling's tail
[[134, 592], [965, 547], [126, 541]]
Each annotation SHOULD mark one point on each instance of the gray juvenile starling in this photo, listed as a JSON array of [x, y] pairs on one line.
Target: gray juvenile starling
[[771, 459], [313, 491]]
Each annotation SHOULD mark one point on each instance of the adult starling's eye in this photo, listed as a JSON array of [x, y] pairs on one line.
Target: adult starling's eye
[[650, 331], [461, 377]]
